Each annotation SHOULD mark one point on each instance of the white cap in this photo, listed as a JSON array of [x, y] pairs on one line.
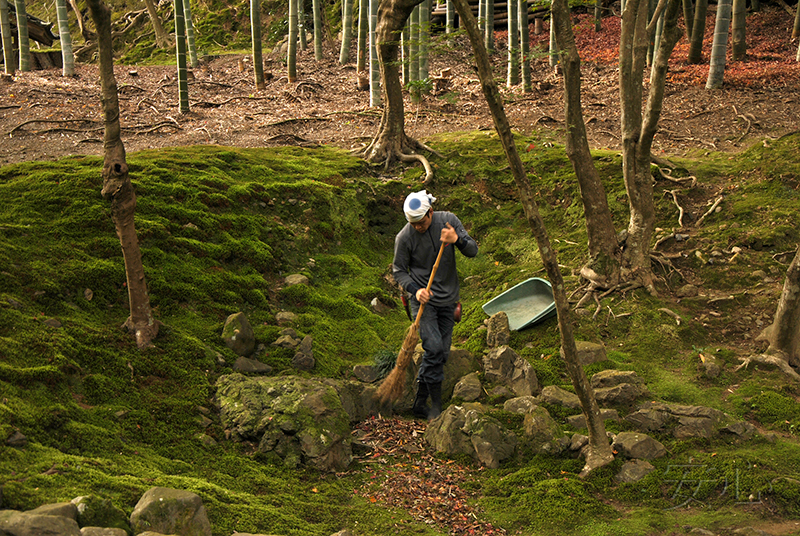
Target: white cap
[[417, 204]]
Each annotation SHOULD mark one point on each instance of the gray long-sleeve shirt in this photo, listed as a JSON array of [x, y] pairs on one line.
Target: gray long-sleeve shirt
[[415, 254]]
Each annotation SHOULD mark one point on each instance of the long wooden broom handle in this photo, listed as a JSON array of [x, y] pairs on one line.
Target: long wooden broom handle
[[430, 282]]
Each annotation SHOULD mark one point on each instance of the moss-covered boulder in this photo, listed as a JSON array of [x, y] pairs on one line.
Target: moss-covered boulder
[[238, 334], [170, 511], [94, 511], [29, 524], [301, 421]]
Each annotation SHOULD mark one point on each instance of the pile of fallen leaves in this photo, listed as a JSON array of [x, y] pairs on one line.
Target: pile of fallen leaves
[[405, 474]]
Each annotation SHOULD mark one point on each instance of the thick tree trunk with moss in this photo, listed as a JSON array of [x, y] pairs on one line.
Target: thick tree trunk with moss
[[783, 334], [638, 129], [391, 141], [599, 452], [118, 189], [603, 268]]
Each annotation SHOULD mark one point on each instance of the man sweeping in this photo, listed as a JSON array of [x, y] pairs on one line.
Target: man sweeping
[[416, 249]]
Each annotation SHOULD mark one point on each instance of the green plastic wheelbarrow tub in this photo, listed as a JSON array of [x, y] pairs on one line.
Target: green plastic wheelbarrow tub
[[526, 304]]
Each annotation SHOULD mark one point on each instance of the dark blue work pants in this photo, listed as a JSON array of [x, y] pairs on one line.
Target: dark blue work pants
[[436, 333]]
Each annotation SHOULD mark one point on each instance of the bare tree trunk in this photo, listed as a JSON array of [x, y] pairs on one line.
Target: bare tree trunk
[[525, 45], [24, 42], [87, 35], [603, 268], [189, 23], [67, 57], [716, 71], [255, 32], [162, 41], [291, 53], [739, 30], [374, 68], [363, 32], [599, 452], [117, 186], [347, 30], [783, 334], [512, 79], [698, 31], [8, 46], [688, 17], [180, 52]]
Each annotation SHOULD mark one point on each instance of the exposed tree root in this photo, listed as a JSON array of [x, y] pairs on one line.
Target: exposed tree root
[[422, 160], [770, 360]]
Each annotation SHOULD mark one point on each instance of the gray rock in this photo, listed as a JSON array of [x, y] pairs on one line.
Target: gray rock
[[94, 511], [285, 317], [238, 334], [287, 341], [170, 511], [588, 352], [379, 307], [498, 332], [468, 388], [702, 532], [245, 365], [637, 445], [541, 433], [741, 430], [304, 358], [559, 397], [64, 509], [462, 430], [648, 420], [504, 366], [16, 523], [623, 394], [680, 410], [634, 470], [579, 421], [611, 378], [17, 439], [100, 531], [302, 421], [358, 399], [751, 531], [689, 427], [460, 363], [296, 279], [521, 404], [365, 373], [710, 366], [501, 393], [578, 441]]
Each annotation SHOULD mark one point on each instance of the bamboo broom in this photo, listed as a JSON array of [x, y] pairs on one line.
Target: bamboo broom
[[394, 385]]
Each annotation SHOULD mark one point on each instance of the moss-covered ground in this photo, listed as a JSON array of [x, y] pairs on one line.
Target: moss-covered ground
[[220, 228]]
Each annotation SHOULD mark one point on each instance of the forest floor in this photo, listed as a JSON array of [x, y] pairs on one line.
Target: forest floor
[[46, 116]]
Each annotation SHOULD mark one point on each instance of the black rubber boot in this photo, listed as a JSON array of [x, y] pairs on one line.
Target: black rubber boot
[[420, 409], [435, 390]]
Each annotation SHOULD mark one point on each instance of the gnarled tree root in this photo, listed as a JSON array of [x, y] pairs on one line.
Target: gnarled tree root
[[770, 360]]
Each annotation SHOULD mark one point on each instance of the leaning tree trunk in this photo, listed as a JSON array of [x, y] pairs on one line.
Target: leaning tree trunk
[[67, 57], [24, 42], [190, 46], [117, 186], [783, 334], [85, 32], [8, 45], [291, 52], [716, 72], [638, 131], [347, 30], [603, 268], [162, 41], [180, 53], [599, 452], [698, 32], [739, 30], [255, 32], [391, 141]]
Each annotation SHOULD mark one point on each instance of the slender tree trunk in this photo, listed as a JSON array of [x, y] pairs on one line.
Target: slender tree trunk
[[796, 26], [599, 453], [688, 17], [488, 30], [598, 16], [24, 42], [363, 32], [118, 189], [255, 32], [316, 9], [374, 66], [603, 268], [347, 30], [450, 17], [85, 33], [783, 334], [162, 41], [180, 51], [525, 45], [656, 41], [67, 58], [739, 30], [291, 54], [698, 32], [424, 37], [8, 45], [191, 48], [413, 52], [513, 44], [716, 71], [553, 57], [301, 24]]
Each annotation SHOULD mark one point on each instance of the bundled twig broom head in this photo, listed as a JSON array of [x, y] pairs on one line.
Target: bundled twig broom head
[[394, 385]]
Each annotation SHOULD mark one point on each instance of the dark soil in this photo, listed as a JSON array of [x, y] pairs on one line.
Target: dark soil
[[46, 116]]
